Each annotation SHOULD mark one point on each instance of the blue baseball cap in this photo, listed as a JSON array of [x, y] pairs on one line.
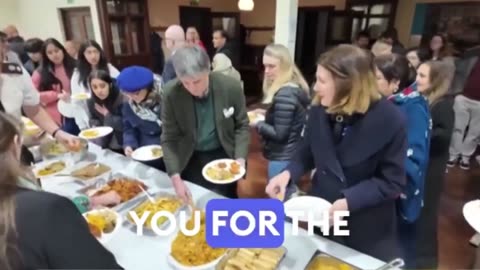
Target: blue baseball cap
[[134, 78]]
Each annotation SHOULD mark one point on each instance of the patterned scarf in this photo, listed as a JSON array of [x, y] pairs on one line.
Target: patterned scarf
[[150, 108]]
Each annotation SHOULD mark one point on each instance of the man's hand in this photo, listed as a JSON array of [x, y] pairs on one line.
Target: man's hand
[[69, 140], [181, 189]]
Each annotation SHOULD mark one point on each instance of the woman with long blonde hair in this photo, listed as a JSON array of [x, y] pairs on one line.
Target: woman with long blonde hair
[[34, 222], [286, 92], [433, 81]]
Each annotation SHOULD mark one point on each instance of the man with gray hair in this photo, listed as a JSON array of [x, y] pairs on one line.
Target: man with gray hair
[[204, 119], [174, 40]]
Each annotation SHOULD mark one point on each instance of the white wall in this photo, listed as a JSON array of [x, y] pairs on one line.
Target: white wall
[[43, 19], [8, 13]]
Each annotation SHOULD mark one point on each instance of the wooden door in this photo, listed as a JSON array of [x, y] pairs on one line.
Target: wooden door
[[230, 23], [77, 23], [200, 18], [126, 29]]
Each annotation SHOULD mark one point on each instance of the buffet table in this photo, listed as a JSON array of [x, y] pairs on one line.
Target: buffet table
[[151, 252]]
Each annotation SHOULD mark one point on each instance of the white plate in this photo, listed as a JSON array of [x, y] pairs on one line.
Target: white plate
[[66, 109], [102, 132], [178, 266], [30, 127], [259, 117], [81, 96], [145, 153], [471, 212], [42, 165], [107, 236], [222, 182], [307, 204]]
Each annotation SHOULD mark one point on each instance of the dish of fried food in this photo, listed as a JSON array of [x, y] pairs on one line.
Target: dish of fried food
[[90, 134], [328, 263], [52, 168], [90, 171], [254, 258], [126, 188], [101, 222], [161, 204], [157, 152], [81, 96], [223, 171], [194, 250]]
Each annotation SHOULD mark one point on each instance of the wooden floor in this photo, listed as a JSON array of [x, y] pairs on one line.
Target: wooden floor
[[454, 232]]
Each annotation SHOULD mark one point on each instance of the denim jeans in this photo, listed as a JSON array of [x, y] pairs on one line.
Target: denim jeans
[[275, 168]]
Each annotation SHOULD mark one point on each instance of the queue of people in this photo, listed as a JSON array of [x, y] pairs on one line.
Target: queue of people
[[375, 130]]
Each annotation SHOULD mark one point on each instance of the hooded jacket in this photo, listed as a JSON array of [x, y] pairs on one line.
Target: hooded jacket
[[284, 121], [416, 110]]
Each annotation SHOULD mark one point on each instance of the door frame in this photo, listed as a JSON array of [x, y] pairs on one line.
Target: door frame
[[63, 16]]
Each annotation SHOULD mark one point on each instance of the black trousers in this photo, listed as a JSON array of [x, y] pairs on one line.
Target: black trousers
[[193, 172], [26, 157]]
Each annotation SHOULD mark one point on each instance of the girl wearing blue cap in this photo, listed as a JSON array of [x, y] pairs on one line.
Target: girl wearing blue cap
[[105, 108], [142, 125]]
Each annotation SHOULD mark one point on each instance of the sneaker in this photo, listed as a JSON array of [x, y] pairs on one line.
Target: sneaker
[[465, 165], [452, 163]]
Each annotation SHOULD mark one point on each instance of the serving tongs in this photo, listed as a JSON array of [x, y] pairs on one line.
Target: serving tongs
[[394, 264]]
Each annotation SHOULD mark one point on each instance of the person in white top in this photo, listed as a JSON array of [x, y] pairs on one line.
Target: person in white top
[[90, 57], [17, 93]]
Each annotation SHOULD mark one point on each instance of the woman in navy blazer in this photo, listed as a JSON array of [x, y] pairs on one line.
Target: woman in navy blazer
[[356, 141]]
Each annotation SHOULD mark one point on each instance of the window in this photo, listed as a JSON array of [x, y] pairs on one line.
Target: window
[[377, 16]]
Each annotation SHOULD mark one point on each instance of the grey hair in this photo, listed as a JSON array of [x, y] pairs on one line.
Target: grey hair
[[190, 61]]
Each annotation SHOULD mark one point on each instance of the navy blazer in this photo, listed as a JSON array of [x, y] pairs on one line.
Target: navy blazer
[[367, 168], [138, 132]]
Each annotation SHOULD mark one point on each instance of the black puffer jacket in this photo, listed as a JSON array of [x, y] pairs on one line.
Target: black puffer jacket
[[284, 121]]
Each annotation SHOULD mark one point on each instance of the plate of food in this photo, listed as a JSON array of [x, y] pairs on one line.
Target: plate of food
[[223, 171], [49, 168], [53, 149], [87, 173], [471, 212], [306, 204], [95, 133], [147, 153], [252, 258], [198, 256], [162, 202], [103, 223], [80, 96], [30, 128], [255, 117], [127, 188]]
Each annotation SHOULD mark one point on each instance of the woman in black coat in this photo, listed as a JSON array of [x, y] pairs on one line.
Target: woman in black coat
[[286, 92], [105, 107], [357, 143], [40, 230], [435, 77]]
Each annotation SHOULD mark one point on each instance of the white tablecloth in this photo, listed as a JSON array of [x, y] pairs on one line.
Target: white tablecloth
[[150, 252]]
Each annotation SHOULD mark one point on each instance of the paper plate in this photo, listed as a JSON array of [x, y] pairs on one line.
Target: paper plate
[[99, 132], [471, 212], [118, 224], [80, 96], [145, 153], [222, 182], [307, 204], [255, 117], [66, 109]]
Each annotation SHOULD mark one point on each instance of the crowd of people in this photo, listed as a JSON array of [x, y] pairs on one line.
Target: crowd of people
[[379, 129]]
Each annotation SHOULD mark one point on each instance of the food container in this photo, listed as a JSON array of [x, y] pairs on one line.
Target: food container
[[63, 152], [157, 195], [92, 189], [328, 261], [77, 169], [233, 252], [48, 163], [106, 237]]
